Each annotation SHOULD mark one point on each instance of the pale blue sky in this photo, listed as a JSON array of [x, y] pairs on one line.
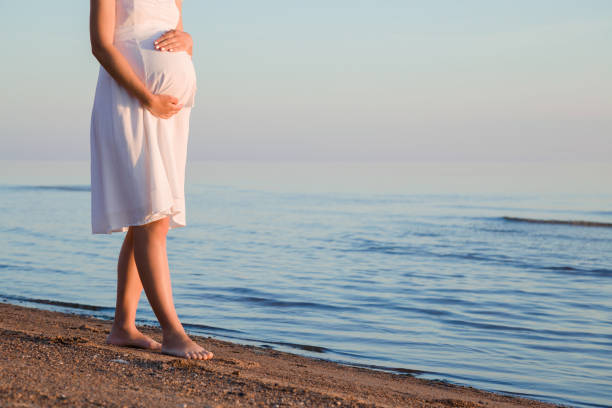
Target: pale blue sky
[[339, 80]]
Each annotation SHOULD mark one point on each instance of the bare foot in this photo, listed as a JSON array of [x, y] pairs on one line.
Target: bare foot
[[131, 338], [181, 345]]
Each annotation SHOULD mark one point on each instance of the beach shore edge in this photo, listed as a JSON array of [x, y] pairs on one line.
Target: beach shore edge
[[50, 358]]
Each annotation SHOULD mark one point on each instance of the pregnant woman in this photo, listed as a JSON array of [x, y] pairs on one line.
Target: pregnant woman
[[138, 140]]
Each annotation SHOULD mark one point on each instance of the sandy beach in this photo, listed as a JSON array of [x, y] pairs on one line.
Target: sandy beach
[[58, 359]]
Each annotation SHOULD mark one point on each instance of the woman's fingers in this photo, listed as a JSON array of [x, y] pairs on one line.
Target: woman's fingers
[[173, 40], [166, 46], [163, 40], [165, 35], [169, 46], [166, 106], [174, 110]]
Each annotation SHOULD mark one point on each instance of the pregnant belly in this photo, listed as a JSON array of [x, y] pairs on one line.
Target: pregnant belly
[[163, 72], [170, 73]]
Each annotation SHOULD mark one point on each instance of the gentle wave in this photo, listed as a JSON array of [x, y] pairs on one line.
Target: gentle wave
[[580, 271], [392, 248], [74, 188], [578, 223], [268, 302], [70, 305], [306, 347]]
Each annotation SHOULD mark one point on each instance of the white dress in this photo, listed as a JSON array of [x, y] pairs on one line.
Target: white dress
[[137, 159]]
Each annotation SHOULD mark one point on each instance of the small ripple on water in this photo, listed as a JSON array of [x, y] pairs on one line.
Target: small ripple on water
[[69, 305], [68, 187], [577, 223]]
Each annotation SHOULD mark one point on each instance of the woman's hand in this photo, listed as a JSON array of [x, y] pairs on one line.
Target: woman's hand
[[163, 106], [174, 40]]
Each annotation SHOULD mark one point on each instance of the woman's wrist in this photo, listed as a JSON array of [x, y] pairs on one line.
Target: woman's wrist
[[146, 98]]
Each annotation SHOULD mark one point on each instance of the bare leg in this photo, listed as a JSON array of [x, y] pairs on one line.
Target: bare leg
[[129, 288], [152, 261]]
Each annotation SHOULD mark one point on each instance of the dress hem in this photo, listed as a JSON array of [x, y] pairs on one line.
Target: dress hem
[[146, 220]]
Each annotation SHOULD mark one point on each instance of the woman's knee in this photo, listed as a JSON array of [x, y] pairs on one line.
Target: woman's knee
[[154, 228]]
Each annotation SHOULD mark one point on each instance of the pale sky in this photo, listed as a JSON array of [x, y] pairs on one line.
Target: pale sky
[[339, 80]]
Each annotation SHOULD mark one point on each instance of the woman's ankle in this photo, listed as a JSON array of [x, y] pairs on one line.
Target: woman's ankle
[[174, 333], [123, 326]]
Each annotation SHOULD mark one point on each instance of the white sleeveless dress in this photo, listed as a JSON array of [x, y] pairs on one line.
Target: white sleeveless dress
[[138, 160]]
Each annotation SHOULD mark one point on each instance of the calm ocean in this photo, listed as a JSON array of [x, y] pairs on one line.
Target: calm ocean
[[398, 267]]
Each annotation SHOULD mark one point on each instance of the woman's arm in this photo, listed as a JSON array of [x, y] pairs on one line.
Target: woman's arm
[[101, 31], [177, 39]]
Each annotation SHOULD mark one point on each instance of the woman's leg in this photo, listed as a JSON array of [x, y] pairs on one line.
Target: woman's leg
[[129, 287], [152, 261]]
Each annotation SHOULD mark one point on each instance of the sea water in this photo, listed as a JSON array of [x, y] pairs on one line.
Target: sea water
[[410, 268]]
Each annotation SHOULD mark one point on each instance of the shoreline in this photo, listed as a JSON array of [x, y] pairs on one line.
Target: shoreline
[[50, 358]]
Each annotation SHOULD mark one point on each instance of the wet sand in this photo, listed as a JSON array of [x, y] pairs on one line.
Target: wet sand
[[60, 359]]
